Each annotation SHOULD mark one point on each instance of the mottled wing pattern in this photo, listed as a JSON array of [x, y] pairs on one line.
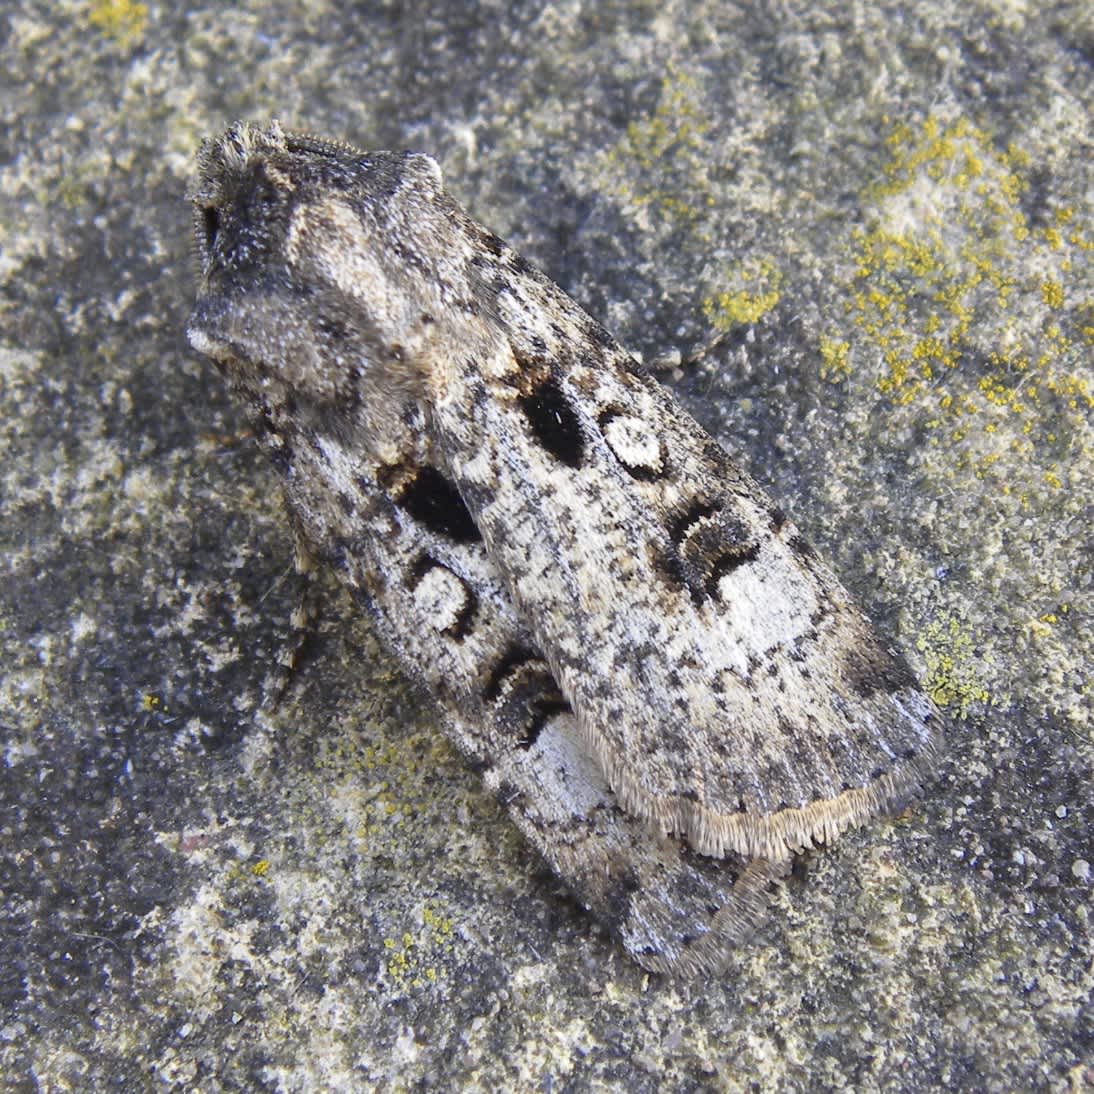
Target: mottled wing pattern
[[400, 536], [719, 671], [623, 632]]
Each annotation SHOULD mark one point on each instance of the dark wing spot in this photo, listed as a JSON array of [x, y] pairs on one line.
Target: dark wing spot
[[727, 563], [521, 266], [869, 668], [434, 501], [509, 662], [599, 336], [542, 710], [462, 624], [697, 511], [553, 421], [710, 541], [802, 548], [524, 695], [210, 224]]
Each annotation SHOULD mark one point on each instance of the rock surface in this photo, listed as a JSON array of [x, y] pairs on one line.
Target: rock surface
[[877, 216]]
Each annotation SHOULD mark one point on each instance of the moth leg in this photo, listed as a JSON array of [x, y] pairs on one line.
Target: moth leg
[[675, 362], [671, 363], [301, 626]]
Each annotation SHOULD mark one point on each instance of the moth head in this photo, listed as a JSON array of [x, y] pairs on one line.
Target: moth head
[[308, 278]]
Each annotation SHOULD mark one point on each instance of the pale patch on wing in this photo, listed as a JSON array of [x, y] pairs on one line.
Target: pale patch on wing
[[765, 603], [634, 443], [441, 597]]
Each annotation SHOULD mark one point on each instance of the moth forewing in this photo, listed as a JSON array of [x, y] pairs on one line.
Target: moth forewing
[[667, 688], [718, 670]]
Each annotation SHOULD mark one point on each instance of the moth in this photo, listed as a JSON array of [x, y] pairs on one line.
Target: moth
[[664, 684]]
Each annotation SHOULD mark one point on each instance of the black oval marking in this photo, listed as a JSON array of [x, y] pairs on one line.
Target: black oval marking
[[434, 501], [210, 222], [554, 423]]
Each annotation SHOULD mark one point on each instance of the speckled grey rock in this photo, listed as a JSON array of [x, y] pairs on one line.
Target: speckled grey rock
[[883, 214]]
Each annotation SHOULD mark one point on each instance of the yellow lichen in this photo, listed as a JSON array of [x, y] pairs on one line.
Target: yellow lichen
[[1052, 294], [758, 293], [405, 956], [835, 359], [952, 678], [659, 144], [122, 20], [944, 300], [660, 169]]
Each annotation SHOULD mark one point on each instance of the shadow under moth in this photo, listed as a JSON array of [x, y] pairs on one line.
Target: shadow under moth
[[667, 688]]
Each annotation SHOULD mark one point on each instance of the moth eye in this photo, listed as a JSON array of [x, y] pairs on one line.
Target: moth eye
[[210, 218]]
